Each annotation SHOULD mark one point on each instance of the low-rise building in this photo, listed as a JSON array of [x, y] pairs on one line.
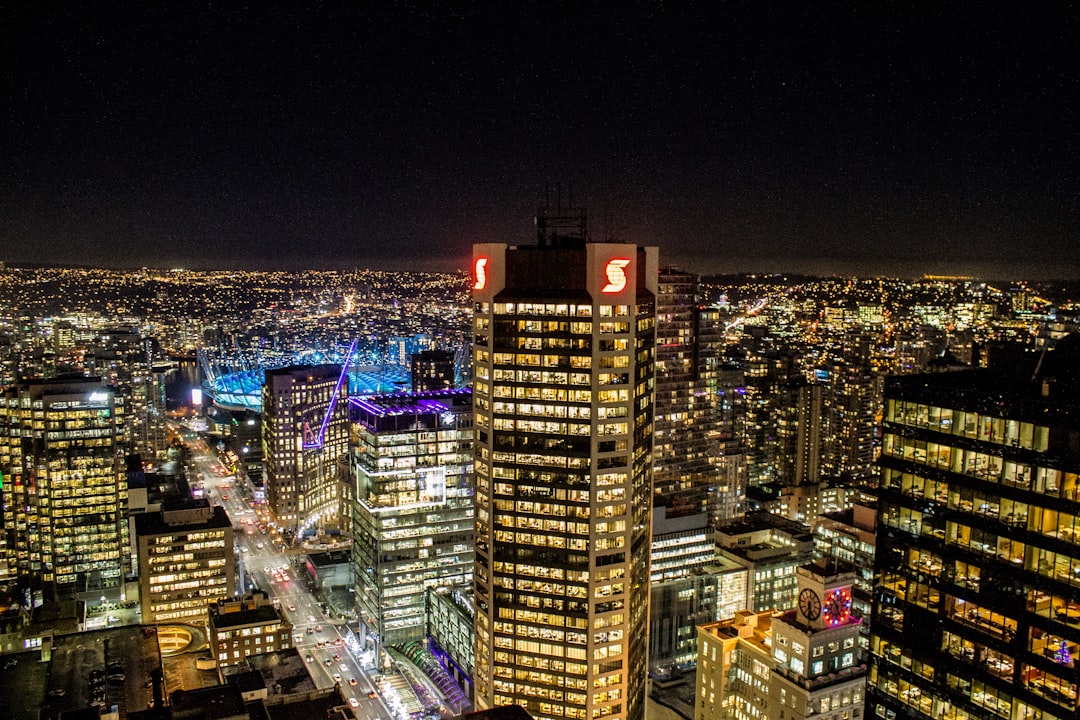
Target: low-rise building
[[251, 625], [802, 663]]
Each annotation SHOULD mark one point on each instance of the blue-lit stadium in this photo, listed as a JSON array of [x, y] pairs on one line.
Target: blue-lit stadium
[[234, 380]]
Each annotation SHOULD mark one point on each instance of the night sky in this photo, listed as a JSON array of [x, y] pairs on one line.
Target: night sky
[[863, 138]]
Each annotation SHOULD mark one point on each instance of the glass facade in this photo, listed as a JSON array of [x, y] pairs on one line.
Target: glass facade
[[977, 581], [65, 500], [413, 512]]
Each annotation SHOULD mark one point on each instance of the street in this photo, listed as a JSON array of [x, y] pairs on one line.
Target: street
[[264, 563]]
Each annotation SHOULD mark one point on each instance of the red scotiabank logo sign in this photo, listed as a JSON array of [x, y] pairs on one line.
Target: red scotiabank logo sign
[[481, 273], [616, 275]]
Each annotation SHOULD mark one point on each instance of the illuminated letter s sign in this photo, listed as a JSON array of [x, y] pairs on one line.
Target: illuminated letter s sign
[[481, 274], [616, 275]]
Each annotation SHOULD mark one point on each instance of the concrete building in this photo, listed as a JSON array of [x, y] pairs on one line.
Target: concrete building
[[251, 625], [563, 383], [801, 663], [770, 548], [186, 560], [413, 513], [64, 495], [846, 538]]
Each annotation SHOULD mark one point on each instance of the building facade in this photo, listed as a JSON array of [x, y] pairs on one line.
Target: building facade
[[186, 560], [771, 548], [977, 572], [563, 393], [305, 438], [64, 495], [802, 663], [687, 417], [251, 625], [413, 513]]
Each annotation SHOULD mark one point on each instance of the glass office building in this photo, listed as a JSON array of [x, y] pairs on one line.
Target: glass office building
[[977, 572]]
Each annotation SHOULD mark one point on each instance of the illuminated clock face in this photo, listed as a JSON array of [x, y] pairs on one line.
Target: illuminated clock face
[[810, 604], [837, 607]]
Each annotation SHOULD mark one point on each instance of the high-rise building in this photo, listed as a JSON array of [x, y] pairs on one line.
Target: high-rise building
[[186, 560], [432, 370], [64, 495], [412, 520], [977, 572], [305, 436], [803, 663], [563, 400], [687, 417]]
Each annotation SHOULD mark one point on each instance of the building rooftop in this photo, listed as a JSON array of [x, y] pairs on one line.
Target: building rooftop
[[407, 403], [156, 523], [332, 557], [253, 609], [218, 702], [283, 672]]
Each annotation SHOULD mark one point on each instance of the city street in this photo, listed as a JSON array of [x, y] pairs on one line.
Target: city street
[[266, 564]]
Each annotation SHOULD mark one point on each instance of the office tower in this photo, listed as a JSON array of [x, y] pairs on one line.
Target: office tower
[[432, 370], [412, 520], [305, 436], [65, 501], [186, 560], [803, 663], [563, 374], [977, 572]]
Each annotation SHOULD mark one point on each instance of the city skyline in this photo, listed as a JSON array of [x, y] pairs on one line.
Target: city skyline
[[845, 141]]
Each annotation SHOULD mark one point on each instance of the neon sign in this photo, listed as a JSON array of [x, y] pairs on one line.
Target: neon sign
[[616, 275], [481, 273]]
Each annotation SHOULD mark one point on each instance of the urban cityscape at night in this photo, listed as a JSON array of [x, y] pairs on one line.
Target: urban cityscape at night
[[539, 362]]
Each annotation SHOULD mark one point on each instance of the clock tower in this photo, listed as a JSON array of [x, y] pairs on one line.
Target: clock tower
[[824, 601]]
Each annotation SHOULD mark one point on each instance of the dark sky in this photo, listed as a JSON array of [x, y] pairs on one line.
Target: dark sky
[[866, 137]]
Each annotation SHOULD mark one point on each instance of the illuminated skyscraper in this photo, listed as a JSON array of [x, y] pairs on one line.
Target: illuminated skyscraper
[[413, 513], [563, 401], [305, 445], [687, 418], [977, 569], [65, 500]]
